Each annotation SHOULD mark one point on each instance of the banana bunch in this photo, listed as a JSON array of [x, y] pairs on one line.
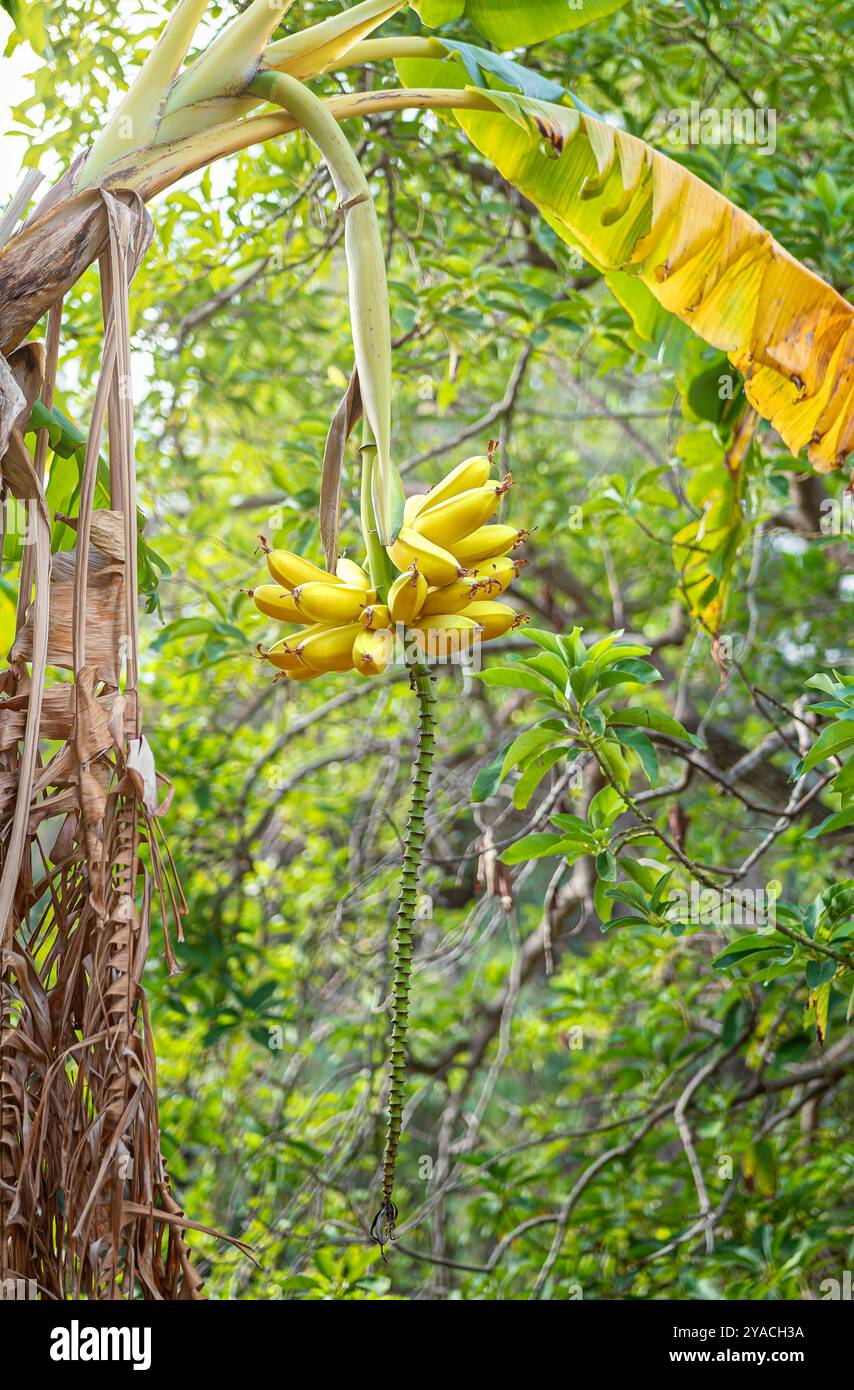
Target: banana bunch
[[332, 611], [453, 564]]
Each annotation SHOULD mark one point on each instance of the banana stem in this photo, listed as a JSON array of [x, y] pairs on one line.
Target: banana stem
[[379, 566], [159, 166], [383, 1226], [380, 50], [316, 119], [369, 308]]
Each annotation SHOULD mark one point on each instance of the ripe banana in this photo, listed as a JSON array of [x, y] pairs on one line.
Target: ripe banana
[[283, 654], [412, 506], [449, 521], [445, 634], [331, 648], [330, 603], [453, 598], [473, 472], [438, 566], [487, 543], [375, 617], [351, 573], [447, 622], [275, 602], [494, 618], [301, 673], [406, 595], [371, 652], [496, 575], [290, 569]]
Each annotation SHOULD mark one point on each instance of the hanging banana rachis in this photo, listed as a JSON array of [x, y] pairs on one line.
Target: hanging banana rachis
[[437, 564], [435, 610]]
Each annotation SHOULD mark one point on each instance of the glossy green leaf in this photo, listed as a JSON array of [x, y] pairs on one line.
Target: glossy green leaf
[[509, 23], [657, 721]]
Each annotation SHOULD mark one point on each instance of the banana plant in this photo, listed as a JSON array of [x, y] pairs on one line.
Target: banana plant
[[666, 243]]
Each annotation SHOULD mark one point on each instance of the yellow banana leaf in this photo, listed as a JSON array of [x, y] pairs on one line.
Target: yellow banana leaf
[[660, 234], [507, 23], [704, 552]]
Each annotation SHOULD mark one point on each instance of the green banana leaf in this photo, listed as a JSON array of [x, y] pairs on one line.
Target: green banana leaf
[[508, 23]]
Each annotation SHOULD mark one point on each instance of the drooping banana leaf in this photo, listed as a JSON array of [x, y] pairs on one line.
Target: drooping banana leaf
[[666, 240], [706, 548], [507, 23]]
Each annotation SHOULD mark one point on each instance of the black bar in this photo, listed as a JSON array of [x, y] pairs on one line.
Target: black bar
[[212, 1338]]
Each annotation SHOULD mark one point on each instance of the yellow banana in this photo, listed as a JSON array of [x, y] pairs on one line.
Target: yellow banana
[[445, 622], [438, 566], [494, 618], [290, 569], [412, 507], [406, 595], [458, 516], [351, 573], [371, 652], [330, 603], [301, 673], [283, 654], [445, 634], [496, 575], [473, 472], [275, 602], [453, 598], [487, 543], [331, 648], [375, 617]]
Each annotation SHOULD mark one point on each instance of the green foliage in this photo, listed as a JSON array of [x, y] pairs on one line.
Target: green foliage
[[576, 682], [508, 23], [834, 740]]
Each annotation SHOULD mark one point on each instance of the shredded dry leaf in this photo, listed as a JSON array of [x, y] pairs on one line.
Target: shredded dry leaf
[[86, 1208]]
